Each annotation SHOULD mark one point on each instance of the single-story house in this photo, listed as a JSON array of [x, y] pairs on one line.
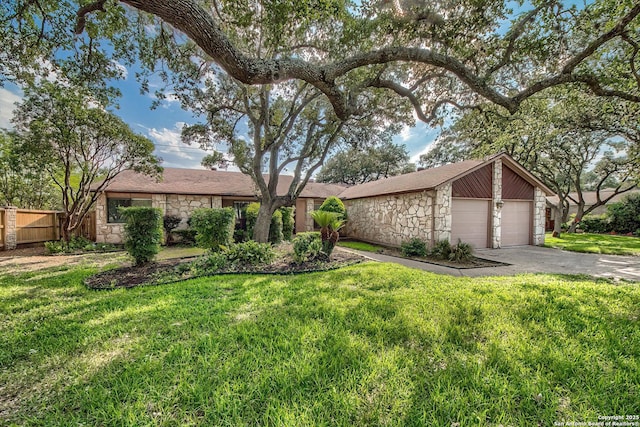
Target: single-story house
[[488, 203], [181, 191]]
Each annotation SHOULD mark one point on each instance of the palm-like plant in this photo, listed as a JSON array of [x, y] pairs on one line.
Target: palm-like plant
[[330, 224]]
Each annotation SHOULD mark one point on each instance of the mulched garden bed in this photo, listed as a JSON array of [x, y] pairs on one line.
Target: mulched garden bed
[[170, 271], [474, 262]]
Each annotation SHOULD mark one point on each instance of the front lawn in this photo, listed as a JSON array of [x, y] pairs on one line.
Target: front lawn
[[372, 344], [360, 246], [595, 243]]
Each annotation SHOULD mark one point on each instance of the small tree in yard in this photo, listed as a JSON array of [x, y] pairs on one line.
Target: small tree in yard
[[330, 225], [77, 144], [288, 223], [214, 227], [170, 223], [143, 232]]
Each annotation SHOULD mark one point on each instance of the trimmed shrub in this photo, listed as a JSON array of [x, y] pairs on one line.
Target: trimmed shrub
[[288, 223], [334, 204], [595, 224], [142, 232], [441, 249], [214, 227], [624, 216], [306, 246], [414, 247], [250, 253], [169, 223], [462, 252], [186, 236], [275, 230]]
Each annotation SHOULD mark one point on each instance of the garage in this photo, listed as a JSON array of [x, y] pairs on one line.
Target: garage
[[470, 222], [516, 223]]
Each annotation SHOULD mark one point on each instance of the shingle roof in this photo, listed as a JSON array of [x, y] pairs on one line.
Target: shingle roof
[[416, 181], [590, 197], [207, 182]]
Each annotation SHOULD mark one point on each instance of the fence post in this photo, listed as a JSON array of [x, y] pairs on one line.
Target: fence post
[[10, 230]]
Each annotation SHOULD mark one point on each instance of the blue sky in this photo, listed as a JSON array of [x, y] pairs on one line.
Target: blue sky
[[162, 125]]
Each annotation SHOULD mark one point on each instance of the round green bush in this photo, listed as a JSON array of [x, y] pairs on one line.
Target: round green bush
[[334, 204]]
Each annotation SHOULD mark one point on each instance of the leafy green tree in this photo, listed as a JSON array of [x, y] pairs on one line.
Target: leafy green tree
[[22, 181], [289, 128], [82, 148], [432, 55], [553, 137], [364, 164]]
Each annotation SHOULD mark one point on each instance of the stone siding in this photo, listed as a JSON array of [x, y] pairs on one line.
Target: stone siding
[[442, 213], [392, 219], [539, 205], [183, 205], [496, 205], [308, 217], [171, 204], [10, 230], [106, 232]]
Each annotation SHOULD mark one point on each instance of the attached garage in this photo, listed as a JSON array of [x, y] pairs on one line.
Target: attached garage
[[516, 223], [470, 222], [487, 203], [517, 211]]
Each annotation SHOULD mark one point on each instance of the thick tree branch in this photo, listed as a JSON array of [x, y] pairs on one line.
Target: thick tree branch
[[193, 20]]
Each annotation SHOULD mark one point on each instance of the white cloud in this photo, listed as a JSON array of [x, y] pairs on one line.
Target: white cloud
[[124, 72], [174, 153], [7, 105]]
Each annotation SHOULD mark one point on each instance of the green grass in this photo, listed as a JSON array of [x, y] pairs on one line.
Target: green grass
[[170, 252], [360, 246], [595, 243], [374, 344]]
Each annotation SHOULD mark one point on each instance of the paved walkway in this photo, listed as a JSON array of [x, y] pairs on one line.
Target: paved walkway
[[533, 259]]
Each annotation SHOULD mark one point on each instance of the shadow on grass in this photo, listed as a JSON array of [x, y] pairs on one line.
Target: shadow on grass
[[368, 345]]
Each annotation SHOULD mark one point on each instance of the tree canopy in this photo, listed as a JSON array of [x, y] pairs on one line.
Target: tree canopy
[[429, 54], [360, 165], [73, 137]]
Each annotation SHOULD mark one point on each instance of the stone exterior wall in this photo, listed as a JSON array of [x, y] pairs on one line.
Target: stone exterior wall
[[391, 219], [308, 217], [539, 205], [105, 232], [10, 228], [183, 205], [442, 213], [496, 205], [172, 204]]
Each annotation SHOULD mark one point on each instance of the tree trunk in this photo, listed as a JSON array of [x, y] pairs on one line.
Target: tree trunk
[[263, 223], [557, 224], [577, 219]]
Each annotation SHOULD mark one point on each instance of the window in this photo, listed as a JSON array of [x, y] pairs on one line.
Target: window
[[240, 209], [113, 216]]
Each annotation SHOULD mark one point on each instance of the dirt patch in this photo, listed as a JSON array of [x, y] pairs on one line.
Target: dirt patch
[[163, 272]]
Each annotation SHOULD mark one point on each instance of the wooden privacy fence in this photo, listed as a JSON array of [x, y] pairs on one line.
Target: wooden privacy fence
[[26, 226], [36, 226]]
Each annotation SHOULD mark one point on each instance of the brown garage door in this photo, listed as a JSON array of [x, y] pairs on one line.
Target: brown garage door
[[470, 222], [516, 223]]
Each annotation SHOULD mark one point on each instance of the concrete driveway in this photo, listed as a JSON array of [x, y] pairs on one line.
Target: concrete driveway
[[535, 259]]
